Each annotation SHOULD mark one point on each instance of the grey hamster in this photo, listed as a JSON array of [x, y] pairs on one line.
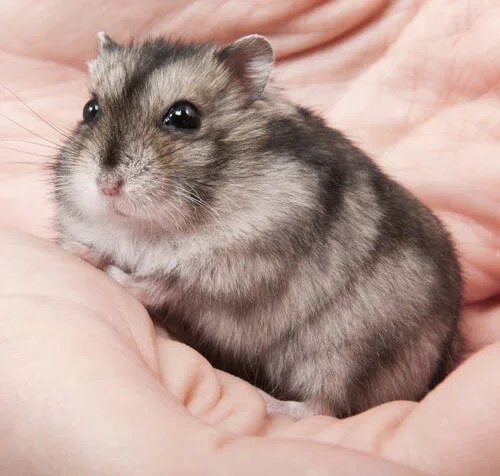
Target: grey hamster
[[255, 233]]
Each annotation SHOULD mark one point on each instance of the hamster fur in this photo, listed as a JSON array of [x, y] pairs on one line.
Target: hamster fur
[[257, 235]]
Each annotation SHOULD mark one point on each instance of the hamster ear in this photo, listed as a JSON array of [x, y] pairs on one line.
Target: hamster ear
[[106, 43], [251, 58]]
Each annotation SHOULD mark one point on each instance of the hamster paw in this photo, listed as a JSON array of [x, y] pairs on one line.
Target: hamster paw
[[83, 252], [136, 286], [125, 279], [296, 410], [149, 292]]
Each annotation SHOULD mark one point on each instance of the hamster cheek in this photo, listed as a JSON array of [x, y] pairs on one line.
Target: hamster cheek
[[84, 192]]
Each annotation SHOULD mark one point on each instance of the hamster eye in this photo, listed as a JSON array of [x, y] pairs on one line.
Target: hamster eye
[[182, 115], [90, 111]]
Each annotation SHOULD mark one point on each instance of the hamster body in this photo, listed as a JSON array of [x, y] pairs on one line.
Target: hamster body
[[255, 233]]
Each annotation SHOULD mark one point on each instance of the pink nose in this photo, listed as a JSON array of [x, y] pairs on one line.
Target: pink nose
[[110, 185]]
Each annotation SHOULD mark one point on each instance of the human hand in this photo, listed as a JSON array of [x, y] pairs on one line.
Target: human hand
[[88, 387], [414, 86]]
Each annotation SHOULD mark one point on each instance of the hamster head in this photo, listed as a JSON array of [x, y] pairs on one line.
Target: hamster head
[[152, 139]]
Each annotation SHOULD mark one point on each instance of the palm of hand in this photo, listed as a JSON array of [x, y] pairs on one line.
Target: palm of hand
[[415, 88]]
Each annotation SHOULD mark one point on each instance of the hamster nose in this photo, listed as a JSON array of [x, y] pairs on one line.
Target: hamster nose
[[110, 185]]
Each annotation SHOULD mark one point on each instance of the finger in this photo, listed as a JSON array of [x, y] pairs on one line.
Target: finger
[[272, 456], [364, 432], [452, 431], [298, 26], [215, 397], [480, 324]]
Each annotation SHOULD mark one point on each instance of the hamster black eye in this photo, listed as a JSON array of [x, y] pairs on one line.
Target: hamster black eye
[[182, 115], [90, 111]]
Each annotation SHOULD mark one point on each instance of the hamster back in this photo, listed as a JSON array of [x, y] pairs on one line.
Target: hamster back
[[255, 233]]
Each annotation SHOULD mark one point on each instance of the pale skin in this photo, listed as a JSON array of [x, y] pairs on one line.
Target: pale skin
[[89, 386]]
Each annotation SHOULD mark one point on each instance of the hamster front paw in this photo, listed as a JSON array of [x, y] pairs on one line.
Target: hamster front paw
[[138, 287], [296, 410], [83, 252], [128, 281]]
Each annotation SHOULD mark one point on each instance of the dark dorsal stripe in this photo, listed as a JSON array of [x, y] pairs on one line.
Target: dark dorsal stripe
[[157, 54]]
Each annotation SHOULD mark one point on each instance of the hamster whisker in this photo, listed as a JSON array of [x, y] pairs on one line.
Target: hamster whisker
[[194, 197], [31, 142], [220, 192], [226, 197], [34, 164], [29, 130], [36, 114], [34, 154], [166, 181], [153, 199], [199, 201]]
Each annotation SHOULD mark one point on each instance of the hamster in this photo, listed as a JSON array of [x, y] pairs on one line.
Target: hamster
[[254, 232]]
